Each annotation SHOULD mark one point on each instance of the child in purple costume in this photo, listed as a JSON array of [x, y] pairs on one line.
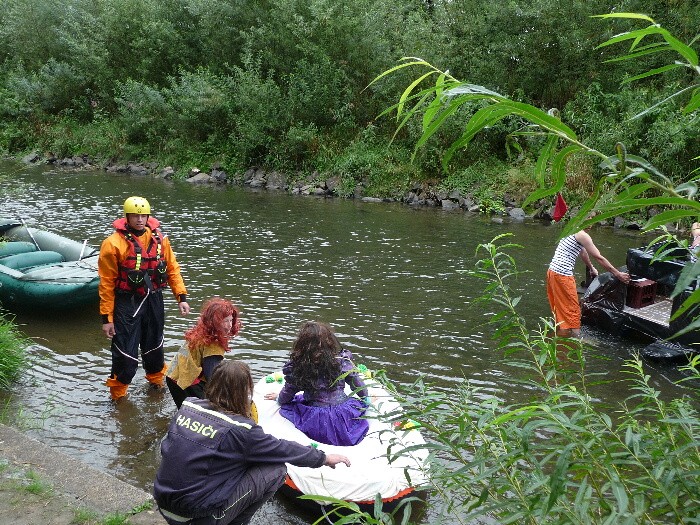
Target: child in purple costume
[[320, 367]]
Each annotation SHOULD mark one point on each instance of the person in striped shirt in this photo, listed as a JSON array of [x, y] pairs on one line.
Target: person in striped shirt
[[561, 284]]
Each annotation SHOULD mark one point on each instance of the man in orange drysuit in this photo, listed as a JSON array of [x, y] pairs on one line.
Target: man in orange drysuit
[[136, 262]]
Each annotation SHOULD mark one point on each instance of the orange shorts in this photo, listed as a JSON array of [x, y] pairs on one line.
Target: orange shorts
[[563, 299]]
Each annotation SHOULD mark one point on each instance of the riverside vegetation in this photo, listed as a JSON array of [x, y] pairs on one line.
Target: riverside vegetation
[[13, 355], [283, 85], [559, 457]]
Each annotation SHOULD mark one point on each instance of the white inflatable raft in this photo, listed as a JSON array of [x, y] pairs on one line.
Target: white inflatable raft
[[375, 469]]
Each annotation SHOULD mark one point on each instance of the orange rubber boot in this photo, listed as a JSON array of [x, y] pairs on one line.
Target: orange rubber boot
[[157, 378], [117, 389]]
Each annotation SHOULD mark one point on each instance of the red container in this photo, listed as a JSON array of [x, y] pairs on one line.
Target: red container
[[641, 293]]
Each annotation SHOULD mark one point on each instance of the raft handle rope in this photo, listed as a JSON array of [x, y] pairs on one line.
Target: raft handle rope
[[82, 250], [30, 233]]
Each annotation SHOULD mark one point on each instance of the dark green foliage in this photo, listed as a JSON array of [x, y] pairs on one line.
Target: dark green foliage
[[284, 83], [13, 354], [560, 456], [670, 138]]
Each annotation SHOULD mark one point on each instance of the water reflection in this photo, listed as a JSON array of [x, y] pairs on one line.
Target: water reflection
[[388, 277]]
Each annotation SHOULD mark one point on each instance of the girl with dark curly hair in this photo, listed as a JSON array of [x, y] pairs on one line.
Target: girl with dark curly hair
[[204, 348], [321, 367]]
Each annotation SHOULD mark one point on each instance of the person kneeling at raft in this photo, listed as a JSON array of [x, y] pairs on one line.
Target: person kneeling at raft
[[218, 466]]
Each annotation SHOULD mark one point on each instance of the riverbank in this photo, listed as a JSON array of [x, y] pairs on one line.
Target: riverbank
[[315, 184], [419, 194], [40, 485]]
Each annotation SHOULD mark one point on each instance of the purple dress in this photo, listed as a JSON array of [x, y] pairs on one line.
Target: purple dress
[[325, 413]]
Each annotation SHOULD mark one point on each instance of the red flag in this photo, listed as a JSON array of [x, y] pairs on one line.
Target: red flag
[[560, 208]]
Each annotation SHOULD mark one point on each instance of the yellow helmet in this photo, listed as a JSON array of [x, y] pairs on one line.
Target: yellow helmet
[[137, 205]]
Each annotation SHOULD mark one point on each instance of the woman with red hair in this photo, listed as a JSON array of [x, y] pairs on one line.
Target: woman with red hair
[[204, 348]]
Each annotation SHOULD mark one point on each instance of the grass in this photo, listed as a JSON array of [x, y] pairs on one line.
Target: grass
[[13, 356], [34, 484], [26, 489]]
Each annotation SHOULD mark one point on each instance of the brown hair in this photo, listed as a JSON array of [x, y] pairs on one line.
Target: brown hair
[[315, 355], [231, 387]]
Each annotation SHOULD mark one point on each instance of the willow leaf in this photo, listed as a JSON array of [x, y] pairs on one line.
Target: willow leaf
[[422, 95], [631, 192], [662, 200], [690, 188], [472, 89], [482, 118], [668, 216], [409, 114], [557, 483], [686, 52], [652, 72], [558, 176], [694, 103], [436, 124], [636, 160], [636, 35], [631, 16], [543, 160], [559, 164], [640, 51], [431, 111], [408, 91], [613, 161], [541, 118], [414, 62]]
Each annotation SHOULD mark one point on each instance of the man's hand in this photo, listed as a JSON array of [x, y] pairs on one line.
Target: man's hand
[[184, 307], [333, 459], [624, 277], [108, 329]]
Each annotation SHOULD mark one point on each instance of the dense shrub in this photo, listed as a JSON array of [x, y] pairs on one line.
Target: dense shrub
[[667, 137], [201, 105], [286, 83], [13, 356], [143, 112]]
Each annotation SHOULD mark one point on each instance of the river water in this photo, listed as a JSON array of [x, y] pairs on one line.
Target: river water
[[390, 278]]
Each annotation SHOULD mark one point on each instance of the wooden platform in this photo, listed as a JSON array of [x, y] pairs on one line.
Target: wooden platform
[[658, 313]]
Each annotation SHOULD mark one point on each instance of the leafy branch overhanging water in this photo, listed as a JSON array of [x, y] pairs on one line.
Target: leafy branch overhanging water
[[558, 457]]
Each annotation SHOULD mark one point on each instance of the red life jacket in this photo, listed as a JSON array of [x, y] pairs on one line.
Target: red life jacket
[[141, 271]]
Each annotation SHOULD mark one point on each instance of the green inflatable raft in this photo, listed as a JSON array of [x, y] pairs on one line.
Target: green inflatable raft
[[40, 270]]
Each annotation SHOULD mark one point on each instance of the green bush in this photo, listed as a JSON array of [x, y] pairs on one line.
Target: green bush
[[54, 88], [316, 91], [201, 105], [260, 116], [143, 112], [383, 170], [13, 357], [604, 118], [297, 149], [561, 456]]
